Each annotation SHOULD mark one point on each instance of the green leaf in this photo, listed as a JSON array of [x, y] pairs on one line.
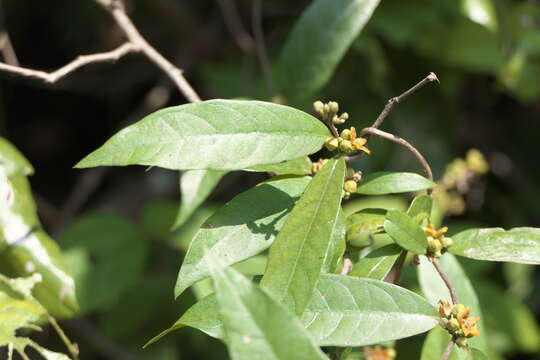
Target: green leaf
[[12, 160], [27, 249], [405, 231], [344, 311], [244, 227], [106, 255], [336, 246], [481, 12], [519, 245], [436, 343], [256, 325], [381, 183], [318, 42], [420, 208], [297, 256], [362, 224], [214, 134], [20, 310], [377, 263], [434, 289], [300, 166], [195, 187]]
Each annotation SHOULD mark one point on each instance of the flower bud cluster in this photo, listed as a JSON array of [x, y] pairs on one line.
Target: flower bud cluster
[[350, 186], [347, 142], [458, 322], [438, 244], [329, 112]]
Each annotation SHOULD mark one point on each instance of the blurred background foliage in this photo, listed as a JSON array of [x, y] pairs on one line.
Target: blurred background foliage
[[113, 225]]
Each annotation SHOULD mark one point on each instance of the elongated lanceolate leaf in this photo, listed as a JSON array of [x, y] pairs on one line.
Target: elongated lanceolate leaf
[[381, 183], [405, 231], [297, 256], [333, 259], [318, 42], [434, 289], [195, 186], [344, 311], [244, 227], [214, 134], [420, 208], [362, 224], [300, 166], [378, 263], [519, 245], [257, 326]]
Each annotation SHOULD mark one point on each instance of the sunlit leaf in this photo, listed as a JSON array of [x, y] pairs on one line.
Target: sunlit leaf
[[256, 325], [405, 231], [244, 227], [336, 246], [300, 166], [520, 245], [434, 289], [12, 160], [318, 42], [297, 256], [214, 134], [377, 264], [362, 224], [195, 186], [481, 12], [381, 183]]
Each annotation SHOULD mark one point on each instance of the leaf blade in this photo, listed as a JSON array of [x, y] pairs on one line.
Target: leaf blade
[[405, 231], [383, 183]]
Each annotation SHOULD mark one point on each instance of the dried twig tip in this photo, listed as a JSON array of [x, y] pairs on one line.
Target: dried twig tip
[[433, 77]]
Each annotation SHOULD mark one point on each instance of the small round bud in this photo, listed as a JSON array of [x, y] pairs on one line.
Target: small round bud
[[453, 325], [337, 120], [346, 195], [434, 246], [326, 108], [477, 162], [458, 310], [346, 134], [350, 173], [318, 106], [344, 116], [346, 146], [391, 353], [461, 341], [446, 242], [334, 106], [350, 186], [331, 143]]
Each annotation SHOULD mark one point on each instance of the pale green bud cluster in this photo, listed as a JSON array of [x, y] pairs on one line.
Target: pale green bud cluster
[[329, 112]]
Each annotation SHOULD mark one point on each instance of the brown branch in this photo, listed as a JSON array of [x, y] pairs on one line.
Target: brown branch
[[260, 44], [391, 137], [52, 77], [234, 24], [7, 49], [447, 351], [446, 280]]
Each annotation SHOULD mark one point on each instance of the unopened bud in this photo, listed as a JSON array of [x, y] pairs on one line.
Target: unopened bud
[[434, 246], [391, 353], [337, 120], [331, 143], [461, 341], [346, 134], [346, 146], [346, 195], [318, 106], [334, 106], [459, 310], [453, 325], [326, 108], [477, 162], [350, 186], [446, 242], [344, 116]]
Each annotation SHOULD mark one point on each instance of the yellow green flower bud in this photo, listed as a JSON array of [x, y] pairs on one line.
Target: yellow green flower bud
[[337, 120], [326, 108], [346, 146], [434, 246], [461, 341], [446, 242], [476, 161], [344, 116], [318, 106], [391, 353], [459, 310], [346, 195], [331, 143], [346, 134], [453, 325], [334, 106], [350, 186]]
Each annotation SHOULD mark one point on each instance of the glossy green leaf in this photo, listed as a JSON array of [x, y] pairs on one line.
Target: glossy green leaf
[[333, 260], [344, 311], [434, 289], [300, 166], [12, 160], [214, 134], [362, 224], [297, 256], [405, 231], [481, 12], [244, 227], [20, 310], [378, 263], [195, 187], [318, 42], [27, 249], [256, 325], [106, 255], [420, 208], [436, 343], [519, 245], [381, 183]]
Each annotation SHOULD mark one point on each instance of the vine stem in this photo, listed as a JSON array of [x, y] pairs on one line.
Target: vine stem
[[447, 351], [73, 349], [446, 280]]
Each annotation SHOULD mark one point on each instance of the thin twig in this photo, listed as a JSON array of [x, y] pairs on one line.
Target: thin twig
[[234, 24], [391, 137], [446, 280], [394, 274], [73, 349], [447, 351], [7, 49], [260, 44], [52, 77]]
